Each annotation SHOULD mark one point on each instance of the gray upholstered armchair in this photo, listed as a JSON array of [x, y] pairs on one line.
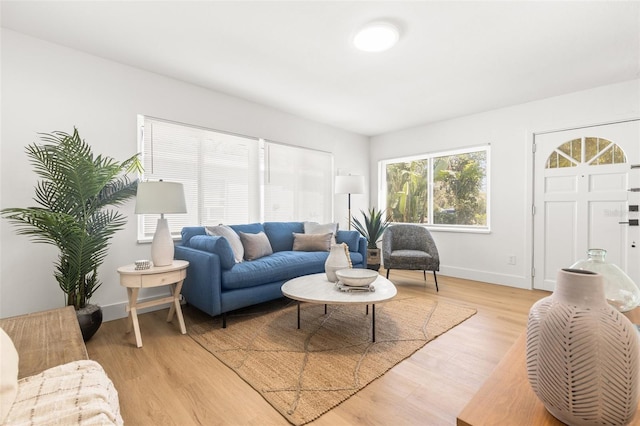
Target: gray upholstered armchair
[[410, 247]]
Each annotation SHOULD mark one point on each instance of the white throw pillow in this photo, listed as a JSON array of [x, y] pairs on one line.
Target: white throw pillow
[[322, 228], [8, 374], [231, 236]]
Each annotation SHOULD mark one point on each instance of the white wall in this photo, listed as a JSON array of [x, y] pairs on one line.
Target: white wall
[[46, 87], [509, 131]]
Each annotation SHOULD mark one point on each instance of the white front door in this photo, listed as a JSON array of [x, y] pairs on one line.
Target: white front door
[[582, 192]]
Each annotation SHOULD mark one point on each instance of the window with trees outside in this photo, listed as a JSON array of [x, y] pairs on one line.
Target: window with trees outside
[[448, 189], [233, 179]]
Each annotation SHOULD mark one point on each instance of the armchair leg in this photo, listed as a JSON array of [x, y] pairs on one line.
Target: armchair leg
[[388, 273], [424, 272], [435, 278], [224, 320]]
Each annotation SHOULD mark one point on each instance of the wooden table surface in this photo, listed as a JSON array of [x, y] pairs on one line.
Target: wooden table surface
[[45, 339], [506, 397]]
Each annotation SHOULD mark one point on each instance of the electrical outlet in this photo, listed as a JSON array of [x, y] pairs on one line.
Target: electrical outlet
[[511, 260]]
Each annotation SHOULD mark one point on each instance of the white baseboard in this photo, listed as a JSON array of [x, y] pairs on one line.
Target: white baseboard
[[119, 310], [508, 280]]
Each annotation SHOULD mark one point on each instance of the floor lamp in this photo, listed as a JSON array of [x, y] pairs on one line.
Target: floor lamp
[[161, 198], [349, 184]]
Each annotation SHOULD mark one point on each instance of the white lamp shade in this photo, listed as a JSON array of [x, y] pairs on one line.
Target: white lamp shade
[[160, 197], [350, 184]]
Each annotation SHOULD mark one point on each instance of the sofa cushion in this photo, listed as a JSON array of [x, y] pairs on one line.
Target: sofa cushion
[[281, 234], [255, 245], [191, 231], [352, 238], [232, 237], [280, 266], [217, 245], [8, 374], [249, 228], [312, 242]]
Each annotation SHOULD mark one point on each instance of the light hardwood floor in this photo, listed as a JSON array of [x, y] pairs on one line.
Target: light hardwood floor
[[171, 380]]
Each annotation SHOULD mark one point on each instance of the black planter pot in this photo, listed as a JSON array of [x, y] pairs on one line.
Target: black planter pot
[[90, 320]]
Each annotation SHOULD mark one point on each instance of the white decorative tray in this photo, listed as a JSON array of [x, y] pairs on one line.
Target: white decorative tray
[[351, 289]]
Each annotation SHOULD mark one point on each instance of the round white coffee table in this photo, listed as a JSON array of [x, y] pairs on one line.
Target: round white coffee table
[[317, 289]]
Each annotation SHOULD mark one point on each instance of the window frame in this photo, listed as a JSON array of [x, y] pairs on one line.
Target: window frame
[[431, 156]]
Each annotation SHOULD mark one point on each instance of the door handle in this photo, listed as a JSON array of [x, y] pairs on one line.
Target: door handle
[[631, 222]]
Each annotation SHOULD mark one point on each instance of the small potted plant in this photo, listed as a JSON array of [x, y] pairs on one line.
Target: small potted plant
[[74, 189], [372, 227]]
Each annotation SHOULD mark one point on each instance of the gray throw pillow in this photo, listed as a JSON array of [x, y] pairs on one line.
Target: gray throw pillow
[[232, 237], [312, 242], [255, 245]]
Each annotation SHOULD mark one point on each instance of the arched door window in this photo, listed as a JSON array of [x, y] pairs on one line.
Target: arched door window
[[587, 150]]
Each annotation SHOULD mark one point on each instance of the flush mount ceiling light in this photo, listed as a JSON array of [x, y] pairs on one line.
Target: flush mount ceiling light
[[376, 37]]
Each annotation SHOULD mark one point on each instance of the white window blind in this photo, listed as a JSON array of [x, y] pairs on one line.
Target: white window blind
[[219, 172], [233, 179], [297, 184]]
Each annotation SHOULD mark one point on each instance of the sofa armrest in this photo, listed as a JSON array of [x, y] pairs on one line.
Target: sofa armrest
[[203, 285], [362, 249], [216, 245]]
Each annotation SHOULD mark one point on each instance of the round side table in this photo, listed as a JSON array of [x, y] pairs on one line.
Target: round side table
[[172, 275]]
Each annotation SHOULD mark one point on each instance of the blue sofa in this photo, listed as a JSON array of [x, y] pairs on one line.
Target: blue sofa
[[216, 284]]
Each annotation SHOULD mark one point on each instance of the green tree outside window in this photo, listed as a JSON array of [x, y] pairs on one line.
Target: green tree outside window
[[439, 190], [458, 193]]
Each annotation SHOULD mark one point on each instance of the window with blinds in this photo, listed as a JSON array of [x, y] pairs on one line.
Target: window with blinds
[[297, 184], [233, 179]]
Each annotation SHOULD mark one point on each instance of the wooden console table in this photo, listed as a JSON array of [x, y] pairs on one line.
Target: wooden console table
[[45, 339], [506, 397]]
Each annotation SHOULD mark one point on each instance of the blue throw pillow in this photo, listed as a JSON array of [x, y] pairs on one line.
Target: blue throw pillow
[[352, 239], [216, 245]]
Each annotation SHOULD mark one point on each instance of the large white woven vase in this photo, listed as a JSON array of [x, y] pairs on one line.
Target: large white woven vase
[[583, 358]]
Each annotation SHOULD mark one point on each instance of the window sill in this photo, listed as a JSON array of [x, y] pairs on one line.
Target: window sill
[[440, 228]]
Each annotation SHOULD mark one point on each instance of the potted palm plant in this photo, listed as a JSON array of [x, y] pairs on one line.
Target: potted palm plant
[[372, 227], [72, 196]]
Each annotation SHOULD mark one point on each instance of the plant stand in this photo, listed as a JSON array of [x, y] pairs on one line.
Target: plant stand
[[373, 259]]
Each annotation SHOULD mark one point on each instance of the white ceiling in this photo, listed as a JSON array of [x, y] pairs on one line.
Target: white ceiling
[[453, 58]]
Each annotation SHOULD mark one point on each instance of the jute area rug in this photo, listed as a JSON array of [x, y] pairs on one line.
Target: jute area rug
[[305, 373]]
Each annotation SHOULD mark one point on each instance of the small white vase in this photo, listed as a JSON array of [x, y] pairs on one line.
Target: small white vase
[[583, 354], [336, 260]]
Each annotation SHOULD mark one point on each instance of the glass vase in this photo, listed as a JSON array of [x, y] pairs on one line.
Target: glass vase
[[620, 291]]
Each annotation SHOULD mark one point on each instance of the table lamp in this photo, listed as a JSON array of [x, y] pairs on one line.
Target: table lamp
[[349, 184], [161, 198]]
